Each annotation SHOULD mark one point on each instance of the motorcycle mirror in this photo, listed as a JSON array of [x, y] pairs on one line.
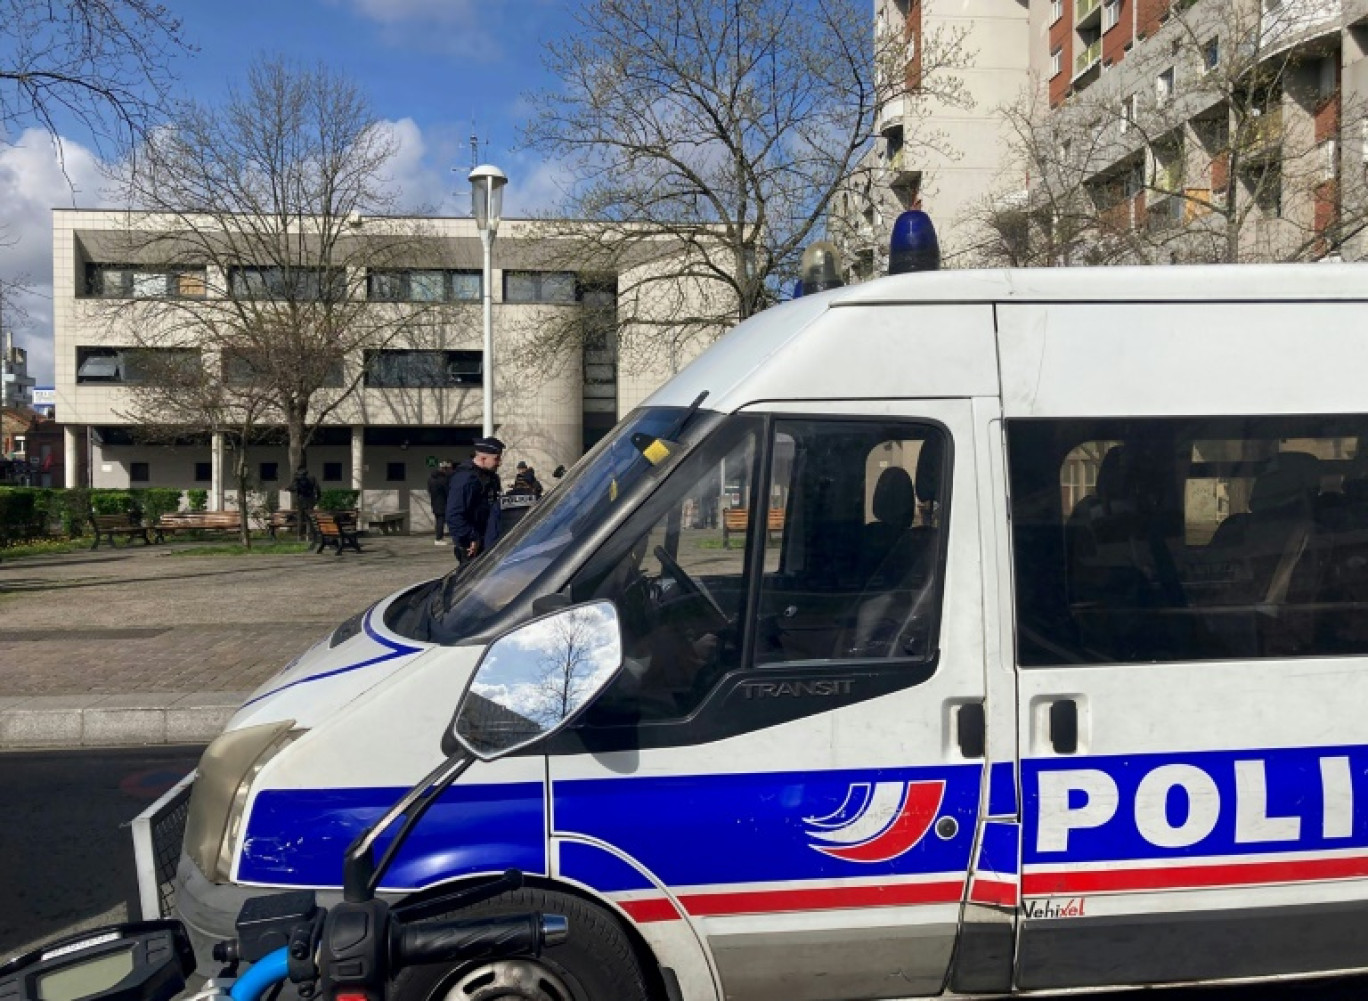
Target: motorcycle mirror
[[535, 679]]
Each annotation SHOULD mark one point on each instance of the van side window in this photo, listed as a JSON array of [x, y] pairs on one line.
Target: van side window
[[678, 588], [854, 532], [1172, 539]]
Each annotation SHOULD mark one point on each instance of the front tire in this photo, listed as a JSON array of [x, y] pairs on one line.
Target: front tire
[[596, 963]]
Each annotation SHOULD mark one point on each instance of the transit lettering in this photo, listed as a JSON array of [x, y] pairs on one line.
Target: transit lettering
[[782, 689]]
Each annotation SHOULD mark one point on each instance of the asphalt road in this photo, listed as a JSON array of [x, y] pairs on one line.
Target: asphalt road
[[66, 855]]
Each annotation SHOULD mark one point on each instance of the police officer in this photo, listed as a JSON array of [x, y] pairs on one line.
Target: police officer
[[472, 512]]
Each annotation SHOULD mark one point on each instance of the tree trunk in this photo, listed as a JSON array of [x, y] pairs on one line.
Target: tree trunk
[[295, 414], [244, 524]]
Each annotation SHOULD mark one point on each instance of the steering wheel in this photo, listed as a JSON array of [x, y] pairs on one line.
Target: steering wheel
[[690, 586]]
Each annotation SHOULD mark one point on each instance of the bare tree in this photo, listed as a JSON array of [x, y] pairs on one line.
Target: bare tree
[[704, 141], [259, 234], [1214, 140], [104, 64]]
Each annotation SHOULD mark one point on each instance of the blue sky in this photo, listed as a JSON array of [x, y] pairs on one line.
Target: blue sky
[[434, 68]]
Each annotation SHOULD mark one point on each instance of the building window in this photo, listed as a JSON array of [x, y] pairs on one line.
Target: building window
[[243, 367], [423, 286], [293, 284], [269, 472], [1163, 86], [1111, 14], [1056, 10], [396, 472], [332, 472], [1211, 55], [1056, 62], [539, 286], [129, 281], [204, 472], [1130, 106], [402, 369], [135, 366], [139, 472]]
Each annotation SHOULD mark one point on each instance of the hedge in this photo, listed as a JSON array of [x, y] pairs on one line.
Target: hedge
[[336, 499], [36, 512]]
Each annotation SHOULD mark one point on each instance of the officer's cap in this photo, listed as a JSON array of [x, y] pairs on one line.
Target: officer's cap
[[489, 446]]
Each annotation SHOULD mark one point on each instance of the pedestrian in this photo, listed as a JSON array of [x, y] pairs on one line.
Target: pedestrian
[[472, 512], [526, 482], [439, 484], [304, 489]]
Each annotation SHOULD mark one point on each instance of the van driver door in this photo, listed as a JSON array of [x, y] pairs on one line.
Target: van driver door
[[789, 768]]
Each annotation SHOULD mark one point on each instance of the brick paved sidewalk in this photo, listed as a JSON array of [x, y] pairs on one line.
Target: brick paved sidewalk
[[136, 645]]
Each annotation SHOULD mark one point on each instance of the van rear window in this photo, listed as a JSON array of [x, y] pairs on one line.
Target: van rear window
[[1171, 539]]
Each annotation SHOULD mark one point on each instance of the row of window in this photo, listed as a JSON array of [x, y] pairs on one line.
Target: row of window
[[268, 472], [386, 369], [118, 281]]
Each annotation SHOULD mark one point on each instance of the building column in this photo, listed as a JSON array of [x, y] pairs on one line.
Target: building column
[[358, 463], [216, 471], [71, 455]]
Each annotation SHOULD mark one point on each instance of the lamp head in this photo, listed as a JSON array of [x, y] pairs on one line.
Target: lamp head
[[486, 196]]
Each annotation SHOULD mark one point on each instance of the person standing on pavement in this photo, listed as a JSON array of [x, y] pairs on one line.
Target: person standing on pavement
[[526, 482], [439, 484], [472, 513], [305, 490]]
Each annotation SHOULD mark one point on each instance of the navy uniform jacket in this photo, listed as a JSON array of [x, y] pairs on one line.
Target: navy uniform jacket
[[472, 511]]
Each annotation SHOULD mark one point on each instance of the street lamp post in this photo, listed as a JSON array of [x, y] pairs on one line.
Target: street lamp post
[[486, 194]]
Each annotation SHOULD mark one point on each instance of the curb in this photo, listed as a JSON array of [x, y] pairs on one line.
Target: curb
[[56, 722]]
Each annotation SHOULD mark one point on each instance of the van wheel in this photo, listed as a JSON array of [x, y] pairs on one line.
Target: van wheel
[[596, 963]]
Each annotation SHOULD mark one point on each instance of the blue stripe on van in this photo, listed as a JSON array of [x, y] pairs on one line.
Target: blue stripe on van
[[299, 837]]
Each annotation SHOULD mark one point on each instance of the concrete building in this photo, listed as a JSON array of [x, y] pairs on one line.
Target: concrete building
[[1160, 131], [931, 151], [417, 396], [16, 386]]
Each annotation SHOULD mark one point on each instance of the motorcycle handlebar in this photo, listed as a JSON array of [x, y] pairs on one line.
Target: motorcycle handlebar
[[480, 938]]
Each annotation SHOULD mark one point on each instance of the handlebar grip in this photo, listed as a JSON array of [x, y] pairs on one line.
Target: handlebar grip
[[483, 938]]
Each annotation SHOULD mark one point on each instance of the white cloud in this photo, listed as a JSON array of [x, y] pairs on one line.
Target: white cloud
[[35, 178], [458, 27]]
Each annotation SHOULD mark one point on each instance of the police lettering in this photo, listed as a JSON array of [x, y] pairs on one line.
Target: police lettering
[[1082, 799]]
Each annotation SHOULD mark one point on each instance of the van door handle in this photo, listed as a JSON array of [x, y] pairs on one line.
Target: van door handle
[[1064, 726], [971, 729]]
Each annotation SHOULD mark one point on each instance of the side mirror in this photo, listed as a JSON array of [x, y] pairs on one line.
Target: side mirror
[[537, 678]]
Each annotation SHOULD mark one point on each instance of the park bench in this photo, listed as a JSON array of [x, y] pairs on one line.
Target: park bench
[[388, 522], [734, 522], [335, 530], [110, 525], [196, 521], [282, 521]]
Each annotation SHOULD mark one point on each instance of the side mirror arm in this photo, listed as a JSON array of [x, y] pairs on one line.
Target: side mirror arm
[[361, 874]]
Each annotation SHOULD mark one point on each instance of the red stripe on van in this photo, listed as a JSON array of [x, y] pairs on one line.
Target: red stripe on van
[[991, 891], [1186, 877], [778, 901]]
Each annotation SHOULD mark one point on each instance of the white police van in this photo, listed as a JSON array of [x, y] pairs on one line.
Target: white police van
[[985, 633]]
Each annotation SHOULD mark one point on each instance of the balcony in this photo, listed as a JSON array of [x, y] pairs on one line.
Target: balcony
[[1087, 13], [1087, 58], [1261, 138], [1168, 179]]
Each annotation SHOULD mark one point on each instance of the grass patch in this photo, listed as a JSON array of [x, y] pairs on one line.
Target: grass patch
[[238, 549], [44, 547]]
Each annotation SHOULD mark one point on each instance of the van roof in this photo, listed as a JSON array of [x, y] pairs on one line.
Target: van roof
[[1184, 283], [1063, 341]]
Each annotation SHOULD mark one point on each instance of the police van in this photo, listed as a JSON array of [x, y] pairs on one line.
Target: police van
[[984, 632]]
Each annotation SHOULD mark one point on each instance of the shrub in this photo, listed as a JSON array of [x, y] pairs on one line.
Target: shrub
[[157, 501], [198, 500], [106, 501], [335, 499], [16, 514]]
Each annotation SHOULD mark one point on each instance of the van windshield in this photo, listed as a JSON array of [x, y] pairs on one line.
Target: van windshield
[[602, 484]]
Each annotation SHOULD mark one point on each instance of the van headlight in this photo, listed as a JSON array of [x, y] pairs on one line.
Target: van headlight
[[219, 796]]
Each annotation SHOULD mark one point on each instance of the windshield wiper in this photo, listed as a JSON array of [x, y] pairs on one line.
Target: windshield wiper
[[685, 417]]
